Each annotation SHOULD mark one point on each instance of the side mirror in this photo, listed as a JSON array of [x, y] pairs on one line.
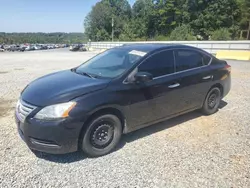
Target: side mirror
[[141, 77]]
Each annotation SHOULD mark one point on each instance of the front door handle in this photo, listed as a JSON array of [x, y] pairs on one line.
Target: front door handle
[[207, 77], [174, 85]]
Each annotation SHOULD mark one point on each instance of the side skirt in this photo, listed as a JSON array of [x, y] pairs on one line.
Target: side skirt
[[128, 129]]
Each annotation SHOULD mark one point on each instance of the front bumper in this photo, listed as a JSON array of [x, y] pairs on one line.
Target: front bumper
[[55, 137]]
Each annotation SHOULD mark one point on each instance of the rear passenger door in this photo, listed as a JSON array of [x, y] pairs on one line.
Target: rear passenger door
[[194, 77]]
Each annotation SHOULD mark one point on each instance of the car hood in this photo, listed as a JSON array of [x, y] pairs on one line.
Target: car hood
[[60, 87]]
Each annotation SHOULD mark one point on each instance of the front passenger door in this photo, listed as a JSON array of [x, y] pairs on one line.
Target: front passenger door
[[158, 98]]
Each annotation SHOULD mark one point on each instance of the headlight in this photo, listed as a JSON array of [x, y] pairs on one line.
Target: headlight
[[55, 111]]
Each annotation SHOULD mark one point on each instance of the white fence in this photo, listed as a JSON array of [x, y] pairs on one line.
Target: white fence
[[209, 46]]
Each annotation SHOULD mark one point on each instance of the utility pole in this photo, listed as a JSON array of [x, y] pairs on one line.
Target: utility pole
[[112, 29], [248, 32]]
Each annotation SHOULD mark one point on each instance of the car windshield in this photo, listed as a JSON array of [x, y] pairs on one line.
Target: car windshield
[[111, 63]]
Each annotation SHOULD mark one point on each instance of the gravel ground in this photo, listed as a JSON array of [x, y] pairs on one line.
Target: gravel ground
[[188, 151]]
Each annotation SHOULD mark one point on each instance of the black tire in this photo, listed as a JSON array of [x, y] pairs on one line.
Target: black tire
[[212, 101], [102, 135]]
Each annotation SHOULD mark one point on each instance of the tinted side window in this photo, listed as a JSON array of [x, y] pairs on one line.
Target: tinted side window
[[187, 59], [159, 64], [206, 59]]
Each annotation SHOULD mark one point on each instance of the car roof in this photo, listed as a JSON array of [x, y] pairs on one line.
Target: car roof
[[152, 46]]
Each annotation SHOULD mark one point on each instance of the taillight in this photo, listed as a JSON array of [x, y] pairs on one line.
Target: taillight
[[228, 67]]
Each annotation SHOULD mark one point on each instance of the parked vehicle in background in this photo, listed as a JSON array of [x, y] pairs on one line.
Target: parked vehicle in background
[[44, 47], [27, 48], [84, 48], [51, 47], [13, 48], [38, 47], [74, 47], [8, 47], [78, 47], [31, 47], [126, 88], [22, 48], [2, 48]]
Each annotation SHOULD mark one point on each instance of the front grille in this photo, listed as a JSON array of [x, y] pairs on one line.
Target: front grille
[[23, 110]]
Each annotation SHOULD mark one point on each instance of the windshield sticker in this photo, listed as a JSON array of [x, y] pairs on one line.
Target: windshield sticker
[[139, 53]]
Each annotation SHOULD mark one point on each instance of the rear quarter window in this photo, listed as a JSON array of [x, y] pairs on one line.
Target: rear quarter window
[[206, 59]]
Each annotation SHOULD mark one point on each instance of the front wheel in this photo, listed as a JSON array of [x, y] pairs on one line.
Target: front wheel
[[102, 135], [212, 101]]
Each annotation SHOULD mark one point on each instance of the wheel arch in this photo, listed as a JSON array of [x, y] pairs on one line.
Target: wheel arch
[[219, 86], [101, 111], [213, 86]]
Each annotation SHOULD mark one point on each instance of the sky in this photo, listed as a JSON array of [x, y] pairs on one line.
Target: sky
[[44, 15]]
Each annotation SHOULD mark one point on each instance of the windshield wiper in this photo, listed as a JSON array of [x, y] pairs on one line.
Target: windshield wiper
[[90, 75], [86, 74], [83, 73]]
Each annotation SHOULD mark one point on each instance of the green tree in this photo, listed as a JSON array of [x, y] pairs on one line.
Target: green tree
[[99, 19], [182, 33], [245, 10], [208, 16], [164, 17], [157, 19], [221, 34], [244, 6], [59, 38], [142, 11]]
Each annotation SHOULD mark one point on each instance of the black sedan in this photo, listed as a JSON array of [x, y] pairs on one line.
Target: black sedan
[[121, 90], [78, 48]]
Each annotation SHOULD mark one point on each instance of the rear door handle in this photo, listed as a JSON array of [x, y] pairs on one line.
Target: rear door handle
[[174, 85], [207, 77]]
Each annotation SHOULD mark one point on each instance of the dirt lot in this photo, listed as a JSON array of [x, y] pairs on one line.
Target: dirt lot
[[188, 151]]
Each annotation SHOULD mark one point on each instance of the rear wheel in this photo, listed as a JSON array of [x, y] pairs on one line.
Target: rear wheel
[[102, 135], [212, 101]]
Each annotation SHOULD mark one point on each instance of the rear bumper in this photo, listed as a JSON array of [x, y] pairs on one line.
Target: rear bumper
[[55, 137], [226, 85]]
